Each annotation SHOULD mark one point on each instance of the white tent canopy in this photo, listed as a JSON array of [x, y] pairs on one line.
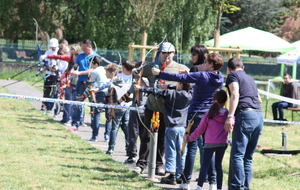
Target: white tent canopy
[[253, 39]]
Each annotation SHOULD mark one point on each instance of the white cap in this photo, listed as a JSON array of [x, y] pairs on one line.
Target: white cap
[[167, 47], [53, 42]]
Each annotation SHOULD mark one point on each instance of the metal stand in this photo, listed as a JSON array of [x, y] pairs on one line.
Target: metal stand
[[284, 140], [152, 156]]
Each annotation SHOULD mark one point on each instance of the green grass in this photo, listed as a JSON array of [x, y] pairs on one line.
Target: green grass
[[38, 153]]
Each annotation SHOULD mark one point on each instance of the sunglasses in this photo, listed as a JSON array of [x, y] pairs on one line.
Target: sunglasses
[[166, 52], [194, 54]]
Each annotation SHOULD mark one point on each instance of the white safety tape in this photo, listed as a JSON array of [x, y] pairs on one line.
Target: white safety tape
[[282, 122], [99, 105], [282, 98]]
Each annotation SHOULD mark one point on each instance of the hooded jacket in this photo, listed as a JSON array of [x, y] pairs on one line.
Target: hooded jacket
[[206, 83], [213, 128]]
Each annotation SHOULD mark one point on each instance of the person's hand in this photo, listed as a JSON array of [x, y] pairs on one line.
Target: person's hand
[[183, 72], [229, 123], [42, 57], [95, 90], [137, 88], [155, 71], [163, 86], [54, 68], [75, 73]]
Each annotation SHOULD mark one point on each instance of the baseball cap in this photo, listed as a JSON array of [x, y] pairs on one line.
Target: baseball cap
[[167, 47]]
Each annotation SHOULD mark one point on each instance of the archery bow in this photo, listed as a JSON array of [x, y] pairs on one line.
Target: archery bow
[[187, 133]]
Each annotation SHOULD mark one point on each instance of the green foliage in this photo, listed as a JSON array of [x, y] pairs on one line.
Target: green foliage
[[264, 15]]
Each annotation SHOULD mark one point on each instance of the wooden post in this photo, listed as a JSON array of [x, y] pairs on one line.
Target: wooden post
[[131, 47], [144, 42], [131, 51], [216, 39]]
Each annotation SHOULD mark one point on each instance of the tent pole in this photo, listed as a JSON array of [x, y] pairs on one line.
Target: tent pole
[[294, 71]]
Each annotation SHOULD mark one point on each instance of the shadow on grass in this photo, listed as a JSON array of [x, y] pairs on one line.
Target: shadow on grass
[[35, 120], [90, 150], [109, 173], [275, 172]]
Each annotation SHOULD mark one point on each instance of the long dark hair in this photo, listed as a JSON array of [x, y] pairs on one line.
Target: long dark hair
[[201, 51], [220, 97]]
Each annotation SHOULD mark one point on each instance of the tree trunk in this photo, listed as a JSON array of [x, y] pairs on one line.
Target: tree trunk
[[144, 43]]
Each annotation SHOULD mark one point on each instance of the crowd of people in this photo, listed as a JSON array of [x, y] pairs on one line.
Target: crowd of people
[[182, 96]]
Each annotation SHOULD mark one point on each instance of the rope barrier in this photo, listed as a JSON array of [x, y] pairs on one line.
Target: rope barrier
[[98, 105]]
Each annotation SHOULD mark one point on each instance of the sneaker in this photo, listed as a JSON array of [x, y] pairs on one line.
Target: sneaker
[[170, 179], [95, 139], [212, 187], [55, 116], [82, 124], [160, 171], [198, 188], [110, 152], [73, 128], [63, 122], [184, 186], [68, 123], [138, 170], [178, 180], [130, 160]]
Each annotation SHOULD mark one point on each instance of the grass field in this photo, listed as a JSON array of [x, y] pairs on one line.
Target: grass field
[[38, 153]]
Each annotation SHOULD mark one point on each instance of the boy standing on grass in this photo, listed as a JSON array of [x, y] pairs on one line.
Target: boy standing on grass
[[176, 104], [116, 89]]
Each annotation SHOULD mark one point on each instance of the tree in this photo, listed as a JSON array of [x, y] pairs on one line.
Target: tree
[[221, 6], [290, 29], [16, 18], [143, 14], [264, 15]]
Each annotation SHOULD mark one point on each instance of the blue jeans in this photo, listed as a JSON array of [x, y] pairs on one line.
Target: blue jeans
[[173, 144], [78, 109], [107, 125], [95, 115], [122, 119], [207, 157], [191, 152], [68, 111], [280, 106], [247, 129]]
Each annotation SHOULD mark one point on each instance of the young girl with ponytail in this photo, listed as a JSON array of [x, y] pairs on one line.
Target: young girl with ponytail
[[212, 125]]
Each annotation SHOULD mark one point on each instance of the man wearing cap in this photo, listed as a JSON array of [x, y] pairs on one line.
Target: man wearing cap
[[155, 104], [50, 84]]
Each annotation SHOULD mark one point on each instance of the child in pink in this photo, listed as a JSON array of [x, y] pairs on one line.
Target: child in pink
[[212, 124]]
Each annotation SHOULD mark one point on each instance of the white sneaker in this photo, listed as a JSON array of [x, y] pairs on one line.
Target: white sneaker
[[198, 188], [82, 124], [184, 186], [212, 187]]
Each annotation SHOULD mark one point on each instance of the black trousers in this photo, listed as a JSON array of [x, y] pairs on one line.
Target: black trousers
[[145, 141], [50, 91], [135, 130]]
